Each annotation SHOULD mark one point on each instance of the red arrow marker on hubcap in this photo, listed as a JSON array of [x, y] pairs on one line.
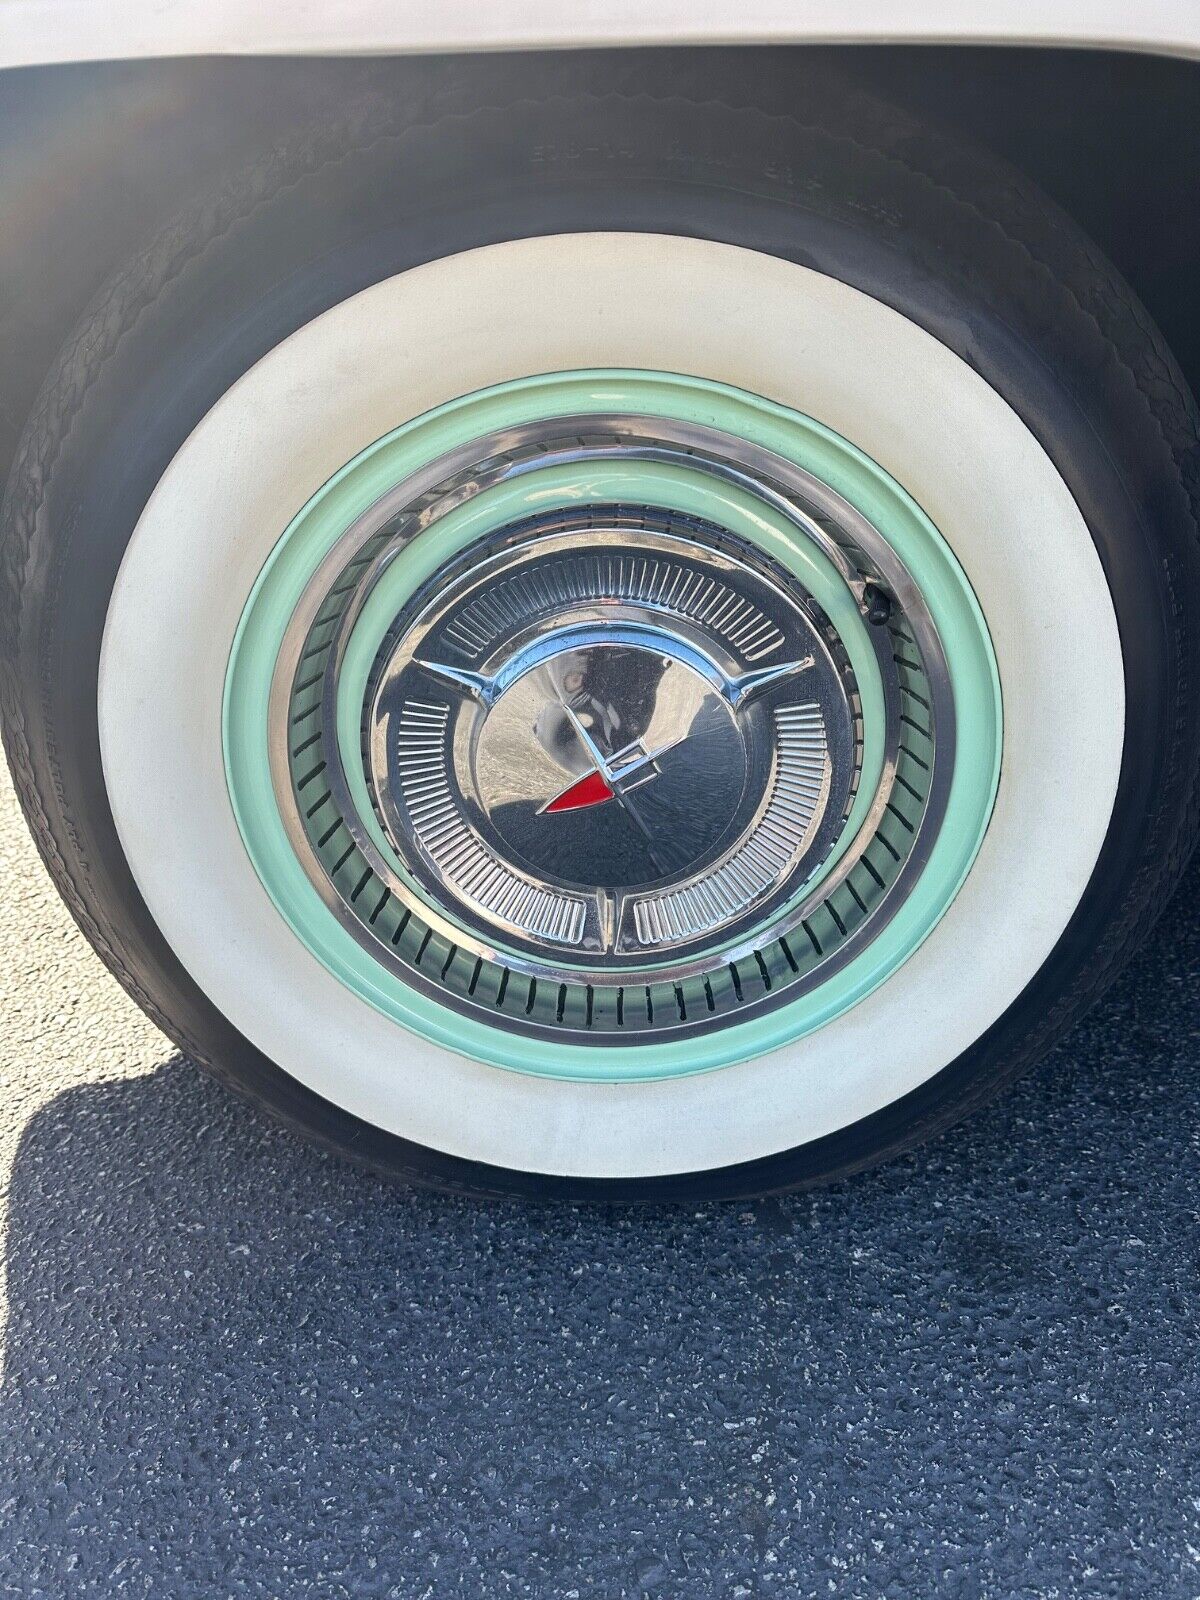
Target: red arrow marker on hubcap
[[593, 790]]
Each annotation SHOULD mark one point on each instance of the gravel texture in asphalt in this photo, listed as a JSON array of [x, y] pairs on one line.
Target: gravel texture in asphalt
[[237, 1367]]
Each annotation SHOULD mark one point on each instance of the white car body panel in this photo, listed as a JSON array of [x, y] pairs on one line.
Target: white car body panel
[[43, 31]]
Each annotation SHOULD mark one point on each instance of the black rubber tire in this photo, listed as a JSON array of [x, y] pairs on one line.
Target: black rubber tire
[[958, 243]]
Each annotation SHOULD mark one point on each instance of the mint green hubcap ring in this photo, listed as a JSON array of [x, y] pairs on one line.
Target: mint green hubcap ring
[[499, 493]]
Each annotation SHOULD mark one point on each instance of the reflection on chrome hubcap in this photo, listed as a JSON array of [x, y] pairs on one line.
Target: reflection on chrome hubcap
[[612, 741]]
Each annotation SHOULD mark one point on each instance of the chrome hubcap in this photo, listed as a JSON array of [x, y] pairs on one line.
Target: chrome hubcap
[[615, 769], [612, 742]]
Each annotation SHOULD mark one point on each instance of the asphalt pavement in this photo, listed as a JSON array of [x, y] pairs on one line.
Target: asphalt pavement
[[237, 1367]]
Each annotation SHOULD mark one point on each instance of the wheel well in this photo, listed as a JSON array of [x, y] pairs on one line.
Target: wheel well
[[95, 157]]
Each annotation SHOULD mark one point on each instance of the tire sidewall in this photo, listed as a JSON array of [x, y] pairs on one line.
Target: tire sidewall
[[304, 232]]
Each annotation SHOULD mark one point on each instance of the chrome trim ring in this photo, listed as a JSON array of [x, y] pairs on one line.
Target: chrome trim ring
[[849, 874]]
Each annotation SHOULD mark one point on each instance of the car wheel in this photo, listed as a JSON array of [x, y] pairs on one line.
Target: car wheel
[[611, 644]]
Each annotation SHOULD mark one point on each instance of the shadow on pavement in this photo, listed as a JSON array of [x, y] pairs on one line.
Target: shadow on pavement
[[237, 1367]]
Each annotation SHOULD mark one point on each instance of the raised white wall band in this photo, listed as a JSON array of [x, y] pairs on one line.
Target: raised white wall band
[[620, 300]]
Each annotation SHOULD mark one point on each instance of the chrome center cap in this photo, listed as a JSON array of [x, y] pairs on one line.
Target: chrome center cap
[[611, 743], [609, 764]]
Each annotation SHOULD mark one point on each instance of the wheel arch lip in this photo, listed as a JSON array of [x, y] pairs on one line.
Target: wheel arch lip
[[43, 32]]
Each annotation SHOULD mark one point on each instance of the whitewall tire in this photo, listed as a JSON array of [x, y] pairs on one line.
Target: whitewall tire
[[248, 371]]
